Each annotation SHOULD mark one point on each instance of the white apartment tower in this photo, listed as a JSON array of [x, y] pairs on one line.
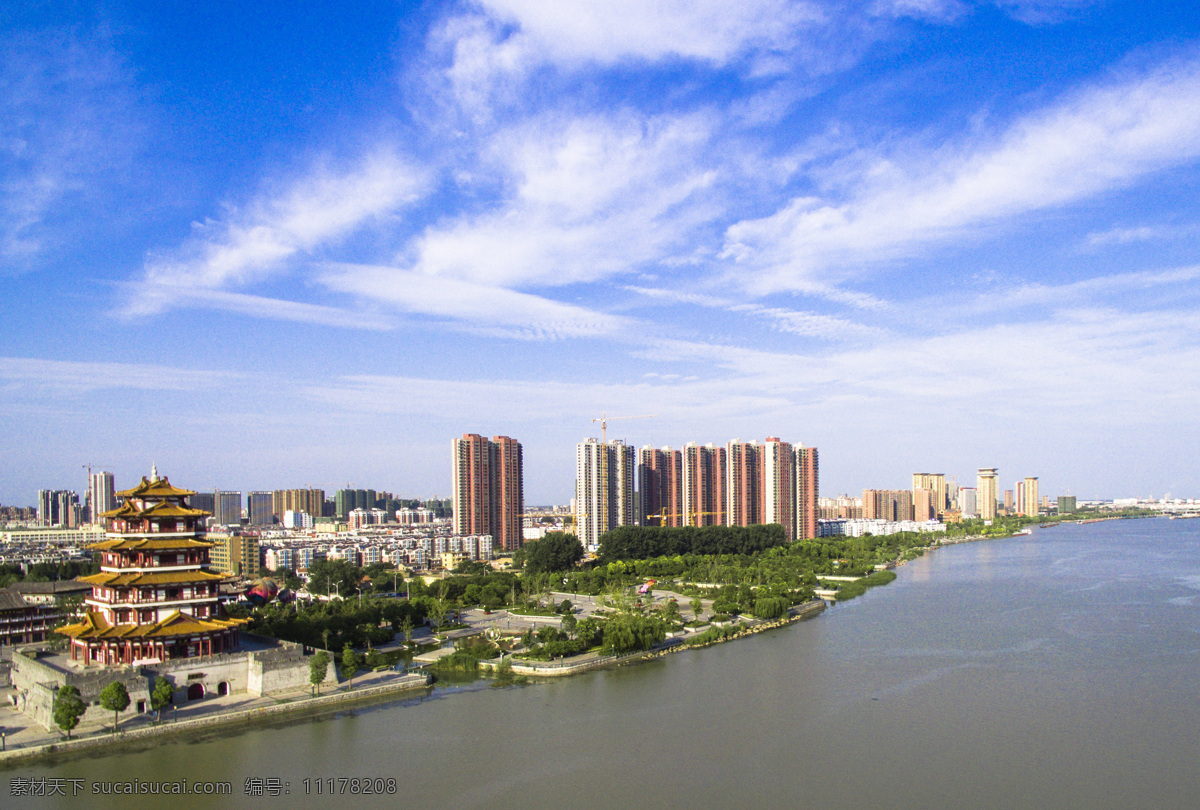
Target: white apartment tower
[[604, 493]]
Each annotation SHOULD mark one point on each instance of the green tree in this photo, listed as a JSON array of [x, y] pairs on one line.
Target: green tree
[[351, 661], [161, 696], [557, 551], [334, 577], [406, 627], [318, 667], [68, 708], [115, 698], [697, 606], [628, 633], [437, 612]]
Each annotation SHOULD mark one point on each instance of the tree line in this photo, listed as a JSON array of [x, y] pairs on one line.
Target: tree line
[[645, 542]]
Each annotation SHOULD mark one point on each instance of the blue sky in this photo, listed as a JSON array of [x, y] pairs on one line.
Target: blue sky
[[265, 247]]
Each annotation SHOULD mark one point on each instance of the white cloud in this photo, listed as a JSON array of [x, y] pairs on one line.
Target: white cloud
[[479, 307], [605, 33], [312, 212], [937, 10], [65, 119], [1041, 12], [494, 49], [1103, 139], [811, 324], [148, 298], [590, 198], [27, 375]]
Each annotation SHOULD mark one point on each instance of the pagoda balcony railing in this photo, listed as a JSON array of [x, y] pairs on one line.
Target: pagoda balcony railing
[[153, 600]]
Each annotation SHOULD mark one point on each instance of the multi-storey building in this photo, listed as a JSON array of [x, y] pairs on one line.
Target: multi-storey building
[[229, 508], [604, 491], [58, 507], [1066, 503], [807, 489], [779, 485], [154, 597], [925, 504], [310, 501], [660, 486], [347, 500], [986, 489], [259, 509], [1029, 491], [101, 497], [488, 488], [936, 482], [704, 479], [887, 504], [235, 554], [24, 621], [745, 487], [967, 504], [280, 558]]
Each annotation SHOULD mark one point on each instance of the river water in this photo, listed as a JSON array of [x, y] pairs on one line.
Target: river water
[[1059, 670]]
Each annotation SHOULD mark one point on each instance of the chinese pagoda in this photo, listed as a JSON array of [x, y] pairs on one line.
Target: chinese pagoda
[[154, 598]]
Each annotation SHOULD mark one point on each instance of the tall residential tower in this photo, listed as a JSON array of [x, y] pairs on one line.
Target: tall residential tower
[[489, 488]]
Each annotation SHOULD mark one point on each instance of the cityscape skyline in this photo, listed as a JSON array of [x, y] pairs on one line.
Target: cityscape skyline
[[269, 249], [691, 463]]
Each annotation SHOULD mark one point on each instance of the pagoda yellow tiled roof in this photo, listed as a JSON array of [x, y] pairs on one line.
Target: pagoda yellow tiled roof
[[158, 488], [161, 509], [149, 544], [94, 626], [111, 579]]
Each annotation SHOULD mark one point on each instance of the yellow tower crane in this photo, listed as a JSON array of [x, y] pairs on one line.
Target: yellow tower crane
[[604, 418]]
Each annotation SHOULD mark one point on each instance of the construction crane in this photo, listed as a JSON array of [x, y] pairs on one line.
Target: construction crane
[[604, 419], [695, 514]]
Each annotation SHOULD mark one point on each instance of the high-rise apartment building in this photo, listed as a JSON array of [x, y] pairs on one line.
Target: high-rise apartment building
[[101, 496], [924, 504], [347, 500], [508, 493], [704, 481], [227, 508], [235, 554], [807, 488], [987, 484], [935, 482], [309, 501], [660, 486], [967, 503], [887, 504], [1029, 491], [745, 487], [259, 509], [604, 491], [488, 488], [204, 501], [59, 507], [779, 485], [1066, 503]]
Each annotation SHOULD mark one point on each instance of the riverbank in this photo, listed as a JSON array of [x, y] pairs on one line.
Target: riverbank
[[592, 661], [213, 716]]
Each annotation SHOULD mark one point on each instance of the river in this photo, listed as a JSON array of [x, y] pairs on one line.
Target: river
[[1057, 670]]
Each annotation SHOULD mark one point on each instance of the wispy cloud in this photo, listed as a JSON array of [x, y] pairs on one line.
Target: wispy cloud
[[472, 306], [310, 213], [36, 376], [605, 33], [148, 298], [590, 198], [1105, 138], [65, 119]]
